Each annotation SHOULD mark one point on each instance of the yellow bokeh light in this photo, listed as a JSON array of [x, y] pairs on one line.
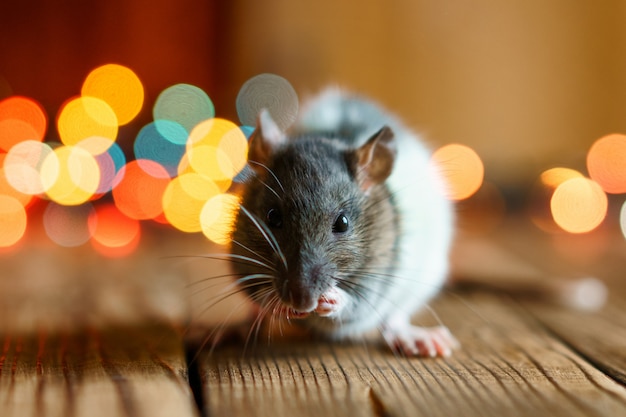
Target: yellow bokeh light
[[606, 162], [461, 168], [71, 175], [211, 162], [184, 199], [86, 117], [223, 143], [119, 87], [13, 221], [96, 145], [218, 216], [579, 205], [556, 176], [22, 166], [235, 145]]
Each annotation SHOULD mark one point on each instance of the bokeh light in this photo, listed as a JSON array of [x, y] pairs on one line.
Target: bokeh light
[[67, 226], [139, 194], [622, 219], [13, 221], [84, 117], [7, 189], [554, 177], [119, 87], [217, 217], [271, 92], [247, 130], [21, 119], [606, 162], [163, 142], [579, 205], [461, 168], [22, 167], [70, 175], [110, 164], [184, 104], [540, 195], [113, 234], [218, 149], [184, 199]]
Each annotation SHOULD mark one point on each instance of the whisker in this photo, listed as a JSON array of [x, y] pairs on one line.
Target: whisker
[[270, 172], [203, 280], [244, 260], [258, 255], [267, 234]]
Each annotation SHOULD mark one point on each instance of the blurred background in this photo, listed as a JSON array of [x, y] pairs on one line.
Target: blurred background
[[529, 86]]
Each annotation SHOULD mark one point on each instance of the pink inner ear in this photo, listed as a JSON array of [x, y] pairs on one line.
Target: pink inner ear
[[376, 158]]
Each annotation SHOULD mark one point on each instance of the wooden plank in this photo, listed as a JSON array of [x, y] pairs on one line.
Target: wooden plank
[[508, 365], [112, 372], [599, 336]]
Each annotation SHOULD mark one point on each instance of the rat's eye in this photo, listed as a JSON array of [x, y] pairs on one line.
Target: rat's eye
[[341, 224], [274, 218]]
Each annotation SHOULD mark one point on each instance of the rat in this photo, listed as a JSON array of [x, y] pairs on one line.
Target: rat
[[344, 224]]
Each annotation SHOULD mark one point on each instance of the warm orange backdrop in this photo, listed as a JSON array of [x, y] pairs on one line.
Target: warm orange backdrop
[[529, 84]]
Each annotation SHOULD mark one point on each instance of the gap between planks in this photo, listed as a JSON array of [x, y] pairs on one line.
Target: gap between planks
[[507, 366]]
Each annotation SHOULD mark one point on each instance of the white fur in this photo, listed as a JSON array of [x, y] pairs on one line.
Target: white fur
[[426, 214]]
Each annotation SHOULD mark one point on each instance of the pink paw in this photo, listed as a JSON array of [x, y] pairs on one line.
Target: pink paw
[[421, 341], [330, 303]]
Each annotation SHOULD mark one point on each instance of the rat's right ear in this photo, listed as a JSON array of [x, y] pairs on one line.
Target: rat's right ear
[[375, 159], [266, 138]]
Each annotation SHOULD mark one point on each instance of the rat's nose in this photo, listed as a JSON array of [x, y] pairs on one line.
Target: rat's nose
[[301, 299], [299, 294]]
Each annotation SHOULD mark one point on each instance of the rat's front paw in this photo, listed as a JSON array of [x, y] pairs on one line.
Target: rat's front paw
[[330, 303], [420, 341]]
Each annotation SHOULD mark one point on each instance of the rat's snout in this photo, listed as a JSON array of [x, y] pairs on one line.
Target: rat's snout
[[302, 292], [298, 296]]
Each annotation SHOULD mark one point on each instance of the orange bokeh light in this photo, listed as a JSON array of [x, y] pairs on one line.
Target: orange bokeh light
[[113, 234], [579, 205], [13, 221], [554, 177], [461, 168], [21, 119], [606, 162], [139, 194]]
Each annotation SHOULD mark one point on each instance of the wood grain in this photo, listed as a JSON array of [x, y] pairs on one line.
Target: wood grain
[[75, 341], [110, 372], [601, 337], [508, 365]]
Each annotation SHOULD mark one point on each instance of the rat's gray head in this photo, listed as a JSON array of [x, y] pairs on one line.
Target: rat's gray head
[[316, 214]]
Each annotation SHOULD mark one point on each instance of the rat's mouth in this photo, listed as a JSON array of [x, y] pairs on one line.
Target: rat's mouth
[[328, 304]]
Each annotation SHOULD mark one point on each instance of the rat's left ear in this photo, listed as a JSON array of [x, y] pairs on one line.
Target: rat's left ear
[[375, 159], [265, 139]]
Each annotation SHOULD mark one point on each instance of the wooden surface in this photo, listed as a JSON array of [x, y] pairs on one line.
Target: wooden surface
[[80, 348], [104, 372]]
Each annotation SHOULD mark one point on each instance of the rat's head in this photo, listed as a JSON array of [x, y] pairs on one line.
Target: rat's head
[[314, 217]]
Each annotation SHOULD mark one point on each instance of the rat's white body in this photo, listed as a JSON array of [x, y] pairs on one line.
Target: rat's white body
[[426, 225]]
